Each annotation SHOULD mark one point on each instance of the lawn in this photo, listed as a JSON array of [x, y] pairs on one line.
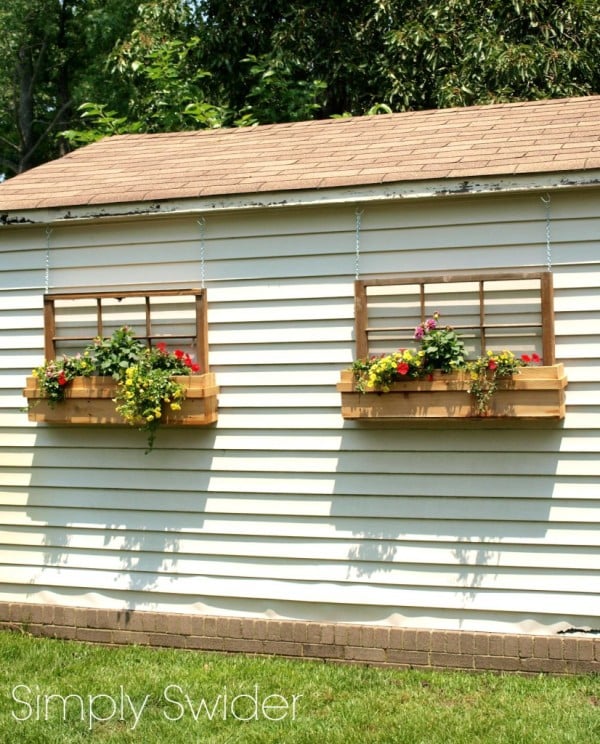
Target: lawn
[[56, 692]]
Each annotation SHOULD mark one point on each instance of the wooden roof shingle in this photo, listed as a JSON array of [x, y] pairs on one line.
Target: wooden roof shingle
[[495, 140]]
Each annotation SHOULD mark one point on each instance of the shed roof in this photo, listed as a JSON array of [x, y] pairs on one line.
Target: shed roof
[[550, 136]]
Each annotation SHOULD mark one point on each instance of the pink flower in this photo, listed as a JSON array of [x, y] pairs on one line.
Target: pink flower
[[419, 332], [430, 324]]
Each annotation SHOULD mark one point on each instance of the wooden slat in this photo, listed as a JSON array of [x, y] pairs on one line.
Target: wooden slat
[[536, 392], [89, 401]]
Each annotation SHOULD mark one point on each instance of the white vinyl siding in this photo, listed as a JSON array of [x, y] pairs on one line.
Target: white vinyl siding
[[282, 508]]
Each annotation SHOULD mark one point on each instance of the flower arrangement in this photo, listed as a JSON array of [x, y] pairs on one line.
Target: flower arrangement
[[488, 369], [144, 376], [440, 349]]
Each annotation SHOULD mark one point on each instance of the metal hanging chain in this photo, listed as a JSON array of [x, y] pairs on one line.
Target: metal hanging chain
[[358, 221], [546, 201], [47, 261], [202, 224]]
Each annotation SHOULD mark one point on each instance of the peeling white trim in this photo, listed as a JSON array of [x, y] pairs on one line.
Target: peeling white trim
[[352, 195]]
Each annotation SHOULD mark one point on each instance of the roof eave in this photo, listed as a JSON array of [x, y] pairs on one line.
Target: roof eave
[[358, 194]]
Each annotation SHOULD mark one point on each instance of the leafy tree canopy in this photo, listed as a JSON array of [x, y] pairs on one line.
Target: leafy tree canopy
[[75, 70]]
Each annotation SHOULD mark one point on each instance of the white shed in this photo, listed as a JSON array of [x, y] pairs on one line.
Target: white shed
[[282, 522]]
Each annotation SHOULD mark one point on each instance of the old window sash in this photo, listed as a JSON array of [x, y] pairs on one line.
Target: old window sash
[[92, 314], [502, 310]]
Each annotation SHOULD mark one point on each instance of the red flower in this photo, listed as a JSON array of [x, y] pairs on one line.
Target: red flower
[[492, 364], [162, 347], [402, 368], [195, 368], [526, 358], [62, 380], [179, 354], [535, 358]]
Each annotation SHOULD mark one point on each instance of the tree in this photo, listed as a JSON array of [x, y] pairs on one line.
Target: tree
[[51, 54], [461, 52], [162, 65]]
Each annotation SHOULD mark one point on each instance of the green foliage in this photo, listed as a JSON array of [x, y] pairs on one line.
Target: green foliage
[[441, 346], [53, 377], [52, 55], [471, 51], [144, 376], [487, 370], [93, 68], [114, 354], [336, 703], [279, 93]]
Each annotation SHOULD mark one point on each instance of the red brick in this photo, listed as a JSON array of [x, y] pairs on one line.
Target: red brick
[[284, 648], [569, 646], [454, 661], [138, 638], [204, 643], [210, 626], [93, 635], [585, 649], [467, 643], [525, 646], [313, 633], [327, 633], [300, 634], [496, 646], [408, 658], [323, 650], [554, 648], [540, 647], [423, 640], [497, 663], [511, 645], [396, 638], [243, 645], [367, 636], [481, 644], [363, 653]]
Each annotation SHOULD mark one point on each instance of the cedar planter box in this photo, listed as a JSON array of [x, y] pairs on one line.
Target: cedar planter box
[[89, 401], [533, 393]]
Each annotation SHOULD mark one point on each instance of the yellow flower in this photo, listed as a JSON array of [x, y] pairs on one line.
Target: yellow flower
[[175, 407], [150, 418], [35, 373]]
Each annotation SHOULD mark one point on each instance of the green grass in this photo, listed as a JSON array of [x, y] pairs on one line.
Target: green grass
[[333, 704]]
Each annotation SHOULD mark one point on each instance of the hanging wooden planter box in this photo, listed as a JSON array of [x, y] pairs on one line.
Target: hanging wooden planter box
[[89, 400], [534, 393]]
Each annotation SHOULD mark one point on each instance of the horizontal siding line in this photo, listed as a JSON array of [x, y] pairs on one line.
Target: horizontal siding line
[[109, 440], [282, 548], [569, 538], [309, 505], [495, 556], [335, 593], [383, 465], [398, 577], [319, 423], [516, 531], [324, 485], [219, 460]]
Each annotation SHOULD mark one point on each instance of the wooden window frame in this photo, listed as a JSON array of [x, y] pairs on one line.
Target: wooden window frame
[[362, 330], [199, 338]]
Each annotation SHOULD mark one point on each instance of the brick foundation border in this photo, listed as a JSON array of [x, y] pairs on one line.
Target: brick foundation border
[[339, 642]]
